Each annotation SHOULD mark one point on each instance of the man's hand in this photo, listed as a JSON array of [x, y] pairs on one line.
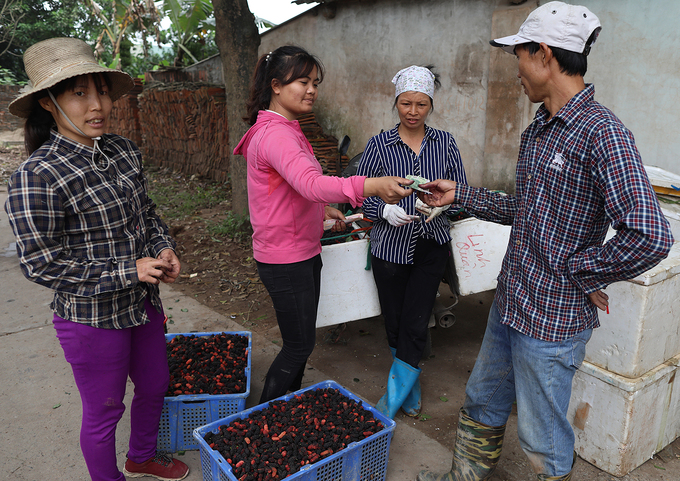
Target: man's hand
[[442, 192], [600, 299], [390, 189]]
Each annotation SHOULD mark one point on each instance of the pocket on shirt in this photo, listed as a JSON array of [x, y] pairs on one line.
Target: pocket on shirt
[[562, 169], [98, 208]]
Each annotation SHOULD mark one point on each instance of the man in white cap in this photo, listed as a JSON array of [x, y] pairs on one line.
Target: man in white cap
[[578, 173]]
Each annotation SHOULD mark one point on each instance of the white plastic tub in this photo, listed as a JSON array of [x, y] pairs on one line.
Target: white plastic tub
[[478, 248], [348, 291], [621, 422]]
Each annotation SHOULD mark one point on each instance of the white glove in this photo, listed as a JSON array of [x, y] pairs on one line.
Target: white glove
[[430, 212], [397, 216]]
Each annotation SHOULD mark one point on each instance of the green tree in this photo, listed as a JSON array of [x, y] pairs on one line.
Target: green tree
[[11, 13], [192, 29], [42, 20], [121, 19]]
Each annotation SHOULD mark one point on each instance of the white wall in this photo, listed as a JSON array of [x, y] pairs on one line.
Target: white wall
[[634, 65]]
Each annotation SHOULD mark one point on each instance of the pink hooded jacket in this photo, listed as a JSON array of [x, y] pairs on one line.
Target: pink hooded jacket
[[287, 191]]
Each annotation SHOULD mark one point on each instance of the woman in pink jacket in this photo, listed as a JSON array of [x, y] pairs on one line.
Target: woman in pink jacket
[[287, 198]]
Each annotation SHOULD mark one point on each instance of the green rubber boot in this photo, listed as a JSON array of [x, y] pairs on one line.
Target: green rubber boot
[[476, 454], [565, 477]]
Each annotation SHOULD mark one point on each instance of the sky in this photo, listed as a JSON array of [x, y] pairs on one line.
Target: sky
[[277, 11]]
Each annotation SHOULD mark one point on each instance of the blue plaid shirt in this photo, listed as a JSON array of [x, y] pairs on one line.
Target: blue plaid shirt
[[387, 154], [577, 173], [80, 230]]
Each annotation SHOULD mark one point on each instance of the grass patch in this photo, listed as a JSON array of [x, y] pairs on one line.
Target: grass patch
[[234, 227], [177, 198]]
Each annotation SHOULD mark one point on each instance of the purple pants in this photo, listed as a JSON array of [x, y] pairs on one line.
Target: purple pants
[[102, 360]]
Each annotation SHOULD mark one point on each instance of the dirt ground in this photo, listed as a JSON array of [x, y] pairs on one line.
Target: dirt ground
[[220, 273]]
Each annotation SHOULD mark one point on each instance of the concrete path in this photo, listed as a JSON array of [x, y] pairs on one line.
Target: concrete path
[[40, 405]]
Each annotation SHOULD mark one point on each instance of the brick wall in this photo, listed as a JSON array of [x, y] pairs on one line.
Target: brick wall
[[184, 128], [7, 120], [124, 118]]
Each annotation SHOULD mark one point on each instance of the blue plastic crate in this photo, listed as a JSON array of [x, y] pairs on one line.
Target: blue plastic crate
[[182, 414], [365, 460]]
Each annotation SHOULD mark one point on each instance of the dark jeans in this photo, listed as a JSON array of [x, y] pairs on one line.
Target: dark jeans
[[294, 289], [407, 293]]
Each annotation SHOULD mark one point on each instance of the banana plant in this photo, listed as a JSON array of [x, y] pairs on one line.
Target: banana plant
[[188, 19], [119, 19]]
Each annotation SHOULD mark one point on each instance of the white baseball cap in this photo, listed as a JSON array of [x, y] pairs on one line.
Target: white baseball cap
[[556, 24]]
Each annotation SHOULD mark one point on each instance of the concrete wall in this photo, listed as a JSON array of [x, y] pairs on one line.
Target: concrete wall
[[634, 65]]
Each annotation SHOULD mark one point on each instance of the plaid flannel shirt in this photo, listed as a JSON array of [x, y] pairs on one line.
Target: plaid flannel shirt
[[80, 230], [577, 173]]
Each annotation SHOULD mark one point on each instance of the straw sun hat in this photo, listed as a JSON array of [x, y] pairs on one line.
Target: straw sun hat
[[49, 62]]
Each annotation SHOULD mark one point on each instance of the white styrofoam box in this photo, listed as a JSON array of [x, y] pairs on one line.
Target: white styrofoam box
[[641, 330], [478, 248], [672, 214], [348, 290], [663, 178], [619, 422]]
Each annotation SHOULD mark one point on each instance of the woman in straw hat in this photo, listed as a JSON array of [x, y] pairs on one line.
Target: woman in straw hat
[[86, 229]]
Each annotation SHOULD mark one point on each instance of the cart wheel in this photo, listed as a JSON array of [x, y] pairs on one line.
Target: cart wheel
[[447, 320]]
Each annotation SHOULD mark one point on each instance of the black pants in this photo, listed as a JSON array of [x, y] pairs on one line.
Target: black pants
[[294, 289], [407, 293]]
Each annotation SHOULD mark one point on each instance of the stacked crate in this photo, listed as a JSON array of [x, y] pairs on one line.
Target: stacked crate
[[625, 406], [360, 460], [183, 413]]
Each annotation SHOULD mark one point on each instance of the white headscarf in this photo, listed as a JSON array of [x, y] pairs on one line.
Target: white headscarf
[[414, 79]]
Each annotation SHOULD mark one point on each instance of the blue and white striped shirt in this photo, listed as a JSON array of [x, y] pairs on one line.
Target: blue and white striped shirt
[[387, 154]]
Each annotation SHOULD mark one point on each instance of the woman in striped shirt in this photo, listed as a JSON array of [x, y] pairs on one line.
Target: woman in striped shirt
[[408, 251]]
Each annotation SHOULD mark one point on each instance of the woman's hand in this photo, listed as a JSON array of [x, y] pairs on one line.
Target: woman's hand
[[164, 269], [442, 192], [151, 270], [170, 275], [397, 216], [333, 213], [390, 189]]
